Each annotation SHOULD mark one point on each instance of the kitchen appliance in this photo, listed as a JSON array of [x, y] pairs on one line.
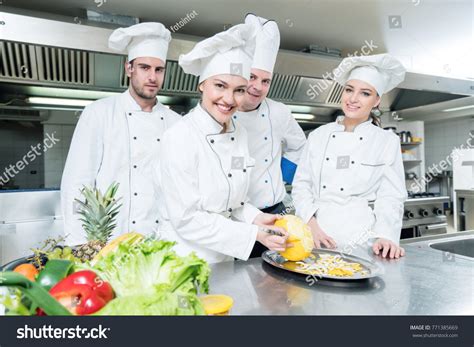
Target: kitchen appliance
[[463, 184], [424, 215], [59, 53]]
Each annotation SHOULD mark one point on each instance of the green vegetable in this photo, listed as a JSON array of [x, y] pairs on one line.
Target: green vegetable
[[54, 271], [12, 300], [162, 303], [33, 291], [137, 269], [150, 278]]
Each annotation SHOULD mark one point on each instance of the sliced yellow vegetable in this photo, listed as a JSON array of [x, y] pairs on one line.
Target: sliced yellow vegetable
[[217, 304]]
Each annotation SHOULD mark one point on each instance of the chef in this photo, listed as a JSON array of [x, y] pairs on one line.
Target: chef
[[275, 138], [349, 185], [119, 137], [205, 165]]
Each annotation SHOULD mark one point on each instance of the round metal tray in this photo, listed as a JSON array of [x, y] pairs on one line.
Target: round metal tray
[[373, 270], [13, 264]]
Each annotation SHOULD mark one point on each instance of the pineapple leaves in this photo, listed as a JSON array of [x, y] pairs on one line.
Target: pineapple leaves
[[98, 212]]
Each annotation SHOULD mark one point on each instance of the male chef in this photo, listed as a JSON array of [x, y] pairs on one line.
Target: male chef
[[117, 139], [272, 130]]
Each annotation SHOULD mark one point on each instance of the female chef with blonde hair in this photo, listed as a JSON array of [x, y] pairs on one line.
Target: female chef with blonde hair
[[205, 164], [350, 185]]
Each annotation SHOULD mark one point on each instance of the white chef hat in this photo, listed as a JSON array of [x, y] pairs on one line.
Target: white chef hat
[[267, 42], [381, 71], [228, 52], [142, 40]]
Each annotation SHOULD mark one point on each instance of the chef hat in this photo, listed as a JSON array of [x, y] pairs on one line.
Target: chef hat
[[228, 52], [142, 40], [381, 71], [267, 42]]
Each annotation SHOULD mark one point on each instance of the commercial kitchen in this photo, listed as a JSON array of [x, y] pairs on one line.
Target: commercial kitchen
[[54, 60]]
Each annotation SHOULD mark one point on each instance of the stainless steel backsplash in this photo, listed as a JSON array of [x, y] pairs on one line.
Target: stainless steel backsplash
[[27, 218]]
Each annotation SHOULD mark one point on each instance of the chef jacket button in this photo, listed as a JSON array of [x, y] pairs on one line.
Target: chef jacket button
[[162, 118], [324, 187], [361, 138], [245, 170], [242, 203], [230, 210], [212, 141], [353, 162], [232, 138], [158, 140], [327, 158], [263, 115], [134, 166], [266, 160], [134, 137], [342, 189], [235, 117], [230, 175], [129, 113], [157, 222], [135, 194], [266, 181], [333, 136], [266, 138], [133, 222]]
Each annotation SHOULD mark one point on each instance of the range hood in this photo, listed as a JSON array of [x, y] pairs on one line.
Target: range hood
[[42, 56]]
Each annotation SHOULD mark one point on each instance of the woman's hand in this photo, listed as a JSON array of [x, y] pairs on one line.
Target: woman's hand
[[387, 249], [319, 236], [270, 236], [274, 238], [266, 219]]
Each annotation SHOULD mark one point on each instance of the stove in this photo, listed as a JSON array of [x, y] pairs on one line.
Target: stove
[[422, 195], [424, 215]]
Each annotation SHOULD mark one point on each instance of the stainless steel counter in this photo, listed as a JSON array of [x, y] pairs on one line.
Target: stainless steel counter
[[425, 282]]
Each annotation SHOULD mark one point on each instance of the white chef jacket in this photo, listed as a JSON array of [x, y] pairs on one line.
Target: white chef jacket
[[203, 179], [341, 172], [272, 132], [115, 141]]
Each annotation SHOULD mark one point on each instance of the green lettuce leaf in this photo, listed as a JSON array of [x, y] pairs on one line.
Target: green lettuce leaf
[[15, 304], [163, 303], [150, 278]]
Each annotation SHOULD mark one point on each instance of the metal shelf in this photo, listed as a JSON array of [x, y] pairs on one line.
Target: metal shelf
[[410, 143]]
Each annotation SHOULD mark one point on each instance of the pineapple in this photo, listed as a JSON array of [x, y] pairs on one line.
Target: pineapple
[[98, 213]]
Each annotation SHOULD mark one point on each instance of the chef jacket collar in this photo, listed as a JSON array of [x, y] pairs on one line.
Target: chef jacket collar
[[360, 127], [208, 124], [132, 106], [262, 108]]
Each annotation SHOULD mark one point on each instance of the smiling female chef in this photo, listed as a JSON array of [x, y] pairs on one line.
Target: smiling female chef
[[205, 165], [351, 162]]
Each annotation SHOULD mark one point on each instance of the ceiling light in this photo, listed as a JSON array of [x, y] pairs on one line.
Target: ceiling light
[[458, 108], [303, 116], [58, 101]]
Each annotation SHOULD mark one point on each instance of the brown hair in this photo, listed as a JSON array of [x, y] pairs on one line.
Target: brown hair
[[375, 120]]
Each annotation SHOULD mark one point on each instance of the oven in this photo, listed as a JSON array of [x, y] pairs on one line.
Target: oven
[[424, 215]]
